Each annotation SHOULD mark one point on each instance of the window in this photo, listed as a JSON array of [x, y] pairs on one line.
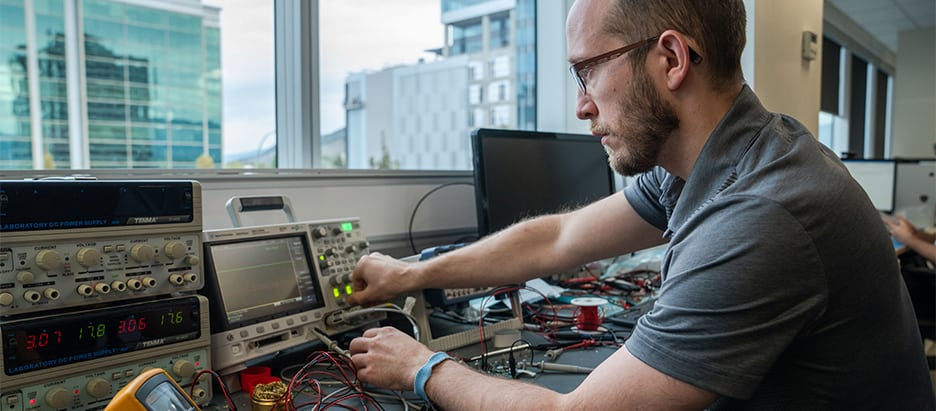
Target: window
[[854, 104], [451, 67], [188, 84]]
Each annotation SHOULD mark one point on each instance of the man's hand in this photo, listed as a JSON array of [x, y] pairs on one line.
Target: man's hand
[[378, 278], [388, 358]]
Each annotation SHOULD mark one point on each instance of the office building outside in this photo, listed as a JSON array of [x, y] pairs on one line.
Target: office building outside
[[420, 116], [109, 84]]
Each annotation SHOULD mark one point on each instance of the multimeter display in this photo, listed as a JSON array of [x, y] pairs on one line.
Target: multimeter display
[[57, 340]]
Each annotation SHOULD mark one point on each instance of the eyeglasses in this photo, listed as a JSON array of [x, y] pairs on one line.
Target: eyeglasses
[[581, 69]]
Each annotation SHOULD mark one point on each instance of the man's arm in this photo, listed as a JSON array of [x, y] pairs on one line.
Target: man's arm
[[919, 241], [388, 358], [530, 249]]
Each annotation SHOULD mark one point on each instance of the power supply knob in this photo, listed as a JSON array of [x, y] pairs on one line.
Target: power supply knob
[[98, 388], [88, 257], [58, 397], [143, 253], [183, 369], [191, 260], [25, 277], [175, 249], [6, 299], [48, 260]]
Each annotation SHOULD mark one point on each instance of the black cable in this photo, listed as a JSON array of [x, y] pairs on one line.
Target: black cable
[[418, 203]]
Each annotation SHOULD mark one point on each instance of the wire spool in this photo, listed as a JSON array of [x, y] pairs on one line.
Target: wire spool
[[587, 316]]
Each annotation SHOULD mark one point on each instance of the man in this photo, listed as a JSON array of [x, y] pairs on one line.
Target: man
[[779, 290]]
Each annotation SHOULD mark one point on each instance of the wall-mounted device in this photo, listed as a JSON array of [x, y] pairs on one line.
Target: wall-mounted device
[[152, 390], [810, 45], [271, 285], [82, 242], [77, 359]]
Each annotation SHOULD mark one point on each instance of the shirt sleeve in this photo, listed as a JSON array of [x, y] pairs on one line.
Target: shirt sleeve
[[644, 196]]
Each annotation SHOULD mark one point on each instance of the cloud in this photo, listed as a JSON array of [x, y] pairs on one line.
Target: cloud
[[354, 35]]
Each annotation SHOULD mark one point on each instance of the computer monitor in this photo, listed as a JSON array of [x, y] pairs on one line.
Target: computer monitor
[[521, 174], [878, 178], [250, 280]]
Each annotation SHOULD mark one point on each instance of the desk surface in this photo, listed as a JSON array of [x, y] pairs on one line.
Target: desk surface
[[558, 381]]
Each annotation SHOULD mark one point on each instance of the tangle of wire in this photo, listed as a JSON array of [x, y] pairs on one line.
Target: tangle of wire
[[336, 368]]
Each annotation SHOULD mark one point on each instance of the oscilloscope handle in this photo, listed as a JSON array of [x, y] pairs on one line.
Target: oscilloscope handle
[[238, 205]]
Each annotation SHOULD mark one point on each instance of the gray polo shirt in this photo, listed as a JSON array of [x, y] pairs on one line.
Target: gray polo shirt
[[781, 289]]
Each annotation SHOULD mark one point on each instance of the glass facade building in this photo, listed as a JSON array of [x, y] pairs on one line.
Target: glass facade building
[[137, 86]]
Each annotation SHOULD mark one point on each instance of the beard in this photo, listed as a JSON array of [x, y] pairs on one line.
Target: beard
[[646, 123]]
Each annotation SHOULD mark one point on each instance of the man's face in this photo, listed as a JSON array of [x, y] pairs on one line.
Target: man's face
[[640, 123], [622, 103]]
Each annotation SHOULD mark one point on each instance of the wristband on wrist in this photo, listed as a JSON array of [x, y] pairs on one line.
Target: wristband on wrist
[[424, 372]]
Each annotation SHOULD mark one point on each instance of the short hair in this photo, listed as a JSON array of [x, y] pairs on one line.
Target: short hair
[[718, 26]]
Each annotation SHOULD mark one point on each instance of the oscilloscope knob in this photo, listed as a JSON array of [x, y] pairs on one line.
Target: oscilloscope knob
[[142, 253], [98, 387], [319, 232], [175, 249], [183, 369], [88, 257], [25, 277], [6, 299], [58, 397], [48, 260]]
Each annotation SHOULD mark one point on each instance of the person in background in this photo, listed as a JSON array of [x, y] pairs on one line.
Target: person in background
[[921, 242], [776, 293]]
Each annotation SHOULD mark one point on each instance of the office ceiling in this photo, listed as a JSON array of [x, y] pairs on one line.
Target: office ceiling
[[884, 19]]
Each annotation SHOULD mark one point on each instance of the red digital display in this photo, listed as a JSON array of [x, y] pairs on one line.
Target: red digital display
[[57, 340]]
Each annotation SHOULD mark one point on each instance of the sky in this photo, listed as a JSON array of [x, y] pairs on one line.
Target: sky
[[355, 35]]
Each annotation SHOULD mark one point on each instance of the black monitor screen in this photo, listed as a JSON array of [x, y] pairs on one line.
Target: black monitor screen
[[521, 174], [256, 279]]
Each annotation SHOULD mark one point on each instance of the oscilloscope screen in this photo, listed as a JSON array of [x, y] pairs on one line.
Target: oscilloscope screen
[[258, 279]]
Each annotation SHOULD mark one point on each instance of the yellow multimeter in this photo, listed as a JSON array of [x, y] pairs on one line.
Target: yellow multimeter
[[152, 390]]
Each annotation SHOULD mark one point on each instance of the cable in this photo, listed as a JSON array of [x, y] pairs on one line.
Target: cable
[[224, 390], [418, 203]]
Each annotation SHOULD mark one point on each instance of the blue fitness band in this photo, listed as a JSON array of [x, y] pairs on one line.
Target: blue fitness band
[[419, 384]]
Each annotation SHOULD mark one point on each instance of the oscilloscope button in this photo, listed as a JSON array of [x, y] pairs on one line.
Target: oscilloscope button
[[6, 299]]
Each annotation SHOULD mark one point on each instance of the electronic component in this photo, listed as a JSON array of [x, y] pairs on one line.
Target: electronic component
[[271, 285], [76, 360], [152, 390], [73, 243]]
